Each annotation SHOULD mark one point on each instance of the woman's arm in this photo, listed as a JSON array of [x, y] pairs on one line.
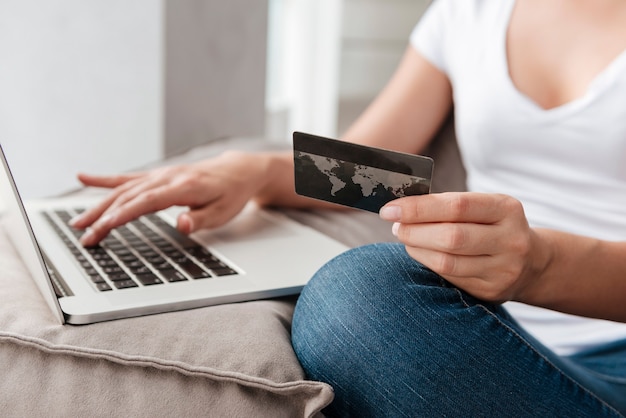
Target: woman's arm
[[409, 111], [404, 117], [582, 276]]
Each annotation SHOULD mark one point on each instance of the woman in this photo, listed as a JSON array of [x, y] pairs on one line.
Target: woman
[[420, 329]]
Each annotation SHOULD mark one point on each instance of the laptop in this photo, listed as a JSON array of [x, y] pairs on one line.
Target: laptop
[[148, 267]]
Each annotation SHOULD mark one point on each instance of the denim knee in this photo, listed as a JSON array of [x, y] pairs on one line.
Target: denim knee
[[343, 313], [360, 285], [394, 338]]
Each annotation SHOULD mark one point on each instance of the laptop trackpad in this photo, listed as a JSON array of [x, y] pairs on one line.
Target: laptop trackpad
[[250, 225]]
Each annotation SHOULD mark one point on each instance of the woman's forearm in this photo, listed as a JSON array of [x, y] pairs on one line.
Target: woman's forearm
[[279, 186], [581, 276]]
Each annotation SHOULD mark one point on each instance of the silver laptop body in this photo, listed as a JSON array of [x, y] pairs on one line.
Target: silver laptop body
[[260, 254]]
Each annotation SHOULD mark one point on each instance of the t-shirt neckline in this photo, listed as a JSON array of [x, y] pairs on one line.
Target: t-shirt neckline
[[596, 85]]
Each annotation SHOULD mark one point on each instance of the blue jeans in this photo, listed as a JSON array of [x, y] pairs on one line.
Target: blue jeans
[[395, 339]]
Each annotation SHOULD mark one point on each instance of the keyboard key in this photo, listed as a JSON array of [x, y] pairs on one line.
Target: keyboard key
[[118, 277], [224, 272], [194, 270], [148, 279], [103, 287], [125, 284], [173, 275], [97, 278]]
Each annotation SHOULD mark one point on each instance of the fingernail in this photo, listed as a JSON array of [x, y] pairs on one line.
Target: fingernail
[[394, 228], [391, 213]]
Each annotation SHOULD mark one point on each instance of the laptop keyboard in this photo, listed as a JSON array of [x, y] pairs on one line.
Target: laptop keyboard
[[145, 252]]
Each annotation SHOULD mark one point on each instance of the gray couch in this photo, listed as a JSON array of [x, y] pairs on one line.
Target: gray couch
[[232, 360]]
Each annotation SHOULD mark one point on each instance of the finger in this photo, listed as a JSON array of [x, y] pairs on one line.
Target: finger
[[148, 197], [185, 223], [118, 214], [451, 207], [106, 181], [91, 215], [446, 264], [134, 185], [453, 238], [485, 277]]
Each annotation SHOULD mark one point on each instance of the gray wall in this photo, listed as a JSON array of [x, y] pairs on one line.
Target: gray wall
[[215, 70], [108, 85]]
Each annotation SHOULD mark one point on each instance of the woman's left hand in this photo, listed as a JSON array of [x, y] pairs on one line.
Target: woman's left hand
[[481, 243]]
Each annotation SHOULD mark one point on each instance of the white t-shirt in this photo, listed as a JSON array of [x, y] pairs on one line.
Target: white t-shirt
[[567, 165]]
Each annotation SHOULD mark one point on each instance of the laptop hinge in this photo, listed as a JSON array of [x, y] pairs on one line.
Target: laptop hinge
[[61, 289]]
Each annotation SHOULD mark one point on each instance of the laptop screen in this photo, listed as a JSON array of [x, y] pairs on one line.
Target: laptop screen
[[14, 220]]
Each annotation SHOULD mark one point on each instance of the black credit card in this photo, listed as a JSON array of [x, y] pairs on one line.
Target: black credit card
[[356, 175]]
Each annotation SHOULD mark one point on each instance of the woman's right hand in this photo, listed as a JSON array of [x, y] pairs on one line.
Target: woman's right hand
[[214, 190]]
